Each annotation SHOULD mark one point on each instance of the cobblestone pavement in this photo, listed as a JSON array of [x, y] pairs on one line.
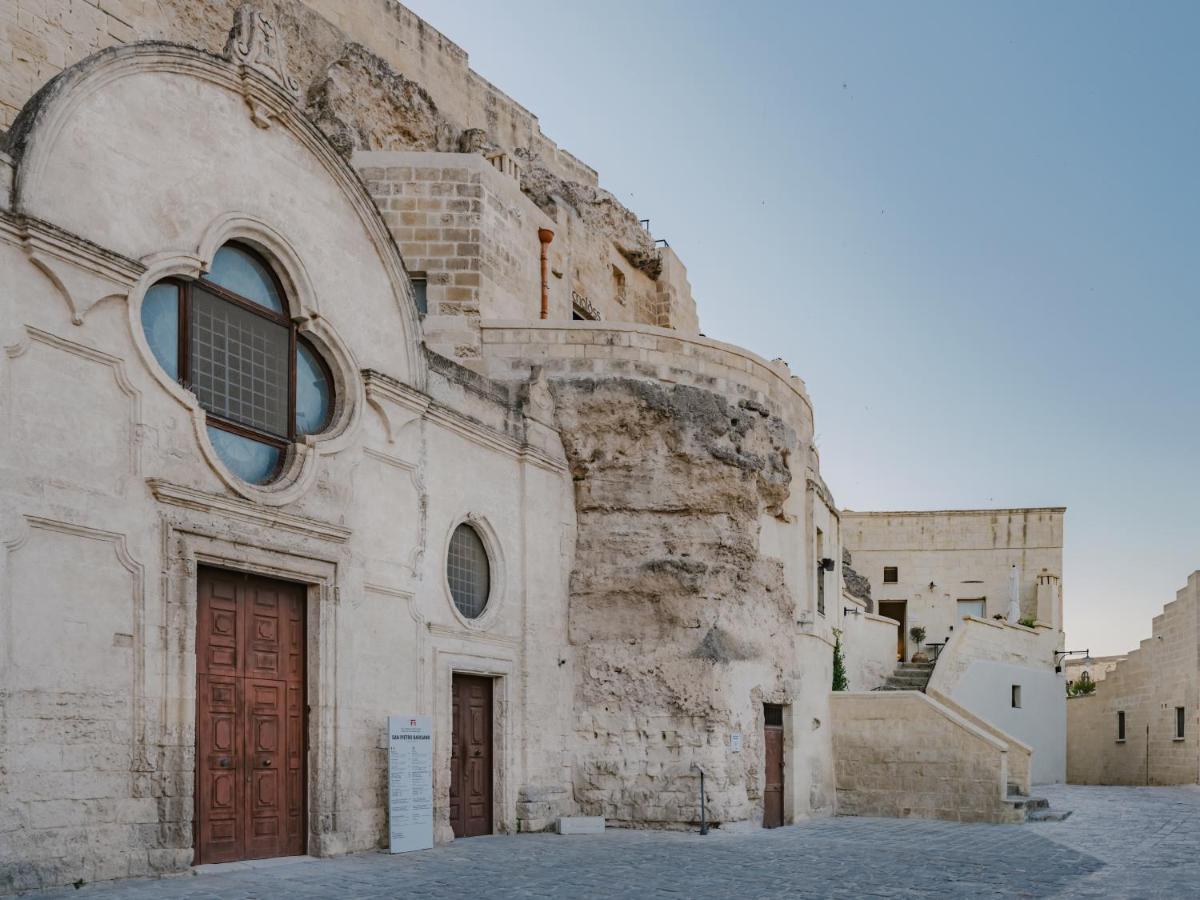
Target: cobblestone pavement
[[1120, 843]]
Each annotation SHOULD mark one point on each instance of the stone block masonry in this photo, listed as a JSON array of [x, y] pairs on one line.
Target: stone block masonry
[[903, 754], [1146, 689]]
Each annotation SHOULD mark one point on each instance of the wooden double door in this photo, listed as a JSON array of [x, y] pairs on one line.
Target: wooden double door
[[471, 756], [250, 757]]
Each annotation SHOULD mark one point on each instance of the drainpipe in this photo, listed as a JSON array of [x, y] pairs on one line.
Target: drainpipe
[[545, 235]]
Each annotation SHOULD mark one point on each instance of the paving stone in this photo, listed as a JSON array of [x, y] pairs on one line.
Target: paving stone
[[1120, 842]]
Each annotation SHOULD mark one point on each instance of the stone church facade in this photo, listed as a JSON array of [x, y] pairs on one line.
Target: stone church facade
[[332, 389]]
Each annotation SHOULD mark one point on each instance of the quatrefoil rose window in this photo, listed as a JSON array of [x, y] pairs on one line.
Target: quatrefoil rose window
[[228, 338]]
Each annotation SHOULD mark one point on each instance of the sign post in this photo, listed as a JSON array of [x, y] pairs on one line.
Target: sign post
[[410, 783]]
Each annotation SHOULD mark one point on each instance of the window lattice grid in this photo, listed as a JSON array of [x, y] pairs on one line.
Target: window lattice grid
[[238, 365], [468, 572]]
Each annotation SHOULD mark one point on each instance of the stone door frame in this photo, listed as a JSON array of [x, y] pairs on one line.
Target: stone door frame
[[186, 548], [446, 664]]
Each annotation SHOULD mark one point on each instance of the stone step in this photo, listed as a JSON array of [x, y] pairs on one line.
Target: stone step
[[1021, 801], [907, 683], [1047, 815]]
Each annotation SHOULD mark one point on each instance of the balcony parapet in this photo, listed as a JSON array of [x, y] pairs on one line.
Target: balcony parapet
[[582, 349]]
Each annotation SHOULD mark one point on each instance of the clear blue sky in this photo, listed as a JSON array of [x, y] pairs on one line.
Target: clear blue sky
[[972, 229]]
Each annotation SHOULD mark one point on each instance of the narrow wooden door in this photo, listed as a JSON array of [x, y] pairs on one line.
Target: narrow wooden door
[[773, 786], [471, 756], [250, 759]]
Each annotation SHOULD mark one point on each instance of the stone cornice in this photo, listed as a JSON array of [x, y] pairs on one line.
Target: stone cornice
[[251, 513], [37, 236], [382, 387]]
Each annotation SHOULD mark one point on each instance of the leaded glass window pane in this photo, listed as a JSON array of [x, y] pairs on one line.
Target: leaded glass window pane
[[238, 364], [248, 459], [160, 324], [313, 392], [468, 572], [236, 270]]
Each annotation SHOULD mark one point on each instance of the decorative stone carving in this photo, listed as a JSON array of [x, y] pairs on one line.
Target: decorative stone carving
[[255, 44]]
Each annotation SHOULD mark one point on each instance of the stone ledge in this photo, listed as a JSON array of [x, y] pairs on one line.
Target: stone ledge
[[581, 824]]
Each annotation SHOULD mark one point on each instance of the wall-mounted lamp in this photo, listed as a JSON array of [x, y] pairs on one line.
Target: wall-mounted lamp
[[1059, 655], [851, 611]]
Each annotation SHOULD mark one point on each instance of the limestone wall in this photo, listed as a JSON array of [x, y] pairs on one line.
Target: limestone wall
[[902, 754], [1160, 675], [468, 228], [964, 555], [1096, 667], [512, 349], [375, 77], [683, 627], [1020, 754]]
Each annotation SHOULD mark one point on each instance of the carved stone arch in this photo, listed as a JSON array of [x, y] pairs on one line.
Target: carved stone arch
[[271, 102]]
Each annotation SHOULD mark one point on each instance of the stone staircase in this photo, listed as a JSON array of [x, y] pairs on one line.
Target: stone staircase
[[1036, 809], [909, 676]]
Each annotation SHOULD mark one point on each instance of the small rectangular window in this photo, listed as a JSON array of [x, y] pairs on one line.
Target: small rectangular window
[[891, 575], [1016, 696], [420, 285], [1121, 725], [820, 572], [971, 608], [773, 715], [1179, 714]]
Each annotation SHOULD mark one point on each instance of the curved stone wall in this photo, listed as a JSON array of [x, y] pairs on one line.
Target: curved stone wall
[[580, 349]]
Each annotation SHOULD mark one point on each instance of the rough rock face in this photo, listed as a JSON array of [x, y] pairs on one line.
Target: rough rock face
[[362, 104], [858, 586], [673, 609], [598, 208]]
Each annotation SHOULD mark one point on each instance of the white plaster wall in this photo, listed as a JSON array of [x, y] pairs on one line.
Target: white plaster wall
[[978, 668], [109, 502], [985, 689], [869, 646]]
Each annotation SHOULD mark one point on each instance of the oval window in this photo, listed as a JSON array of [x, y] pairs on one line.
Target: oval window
[[228, 339], [468, 572]]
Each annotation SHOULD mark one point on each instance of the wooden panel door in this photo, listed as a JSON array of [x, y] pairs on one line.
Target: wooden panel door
[[471, 756], [773, 782], [250, 772]]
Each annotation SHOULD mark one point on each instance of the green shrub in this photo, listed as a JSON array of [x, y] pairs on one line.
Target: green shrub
[[840, 681], [1081, 686]]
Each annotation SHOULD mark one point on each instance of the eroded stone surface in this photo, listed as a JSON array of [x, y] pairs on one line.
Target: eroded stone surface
[[671, 600]]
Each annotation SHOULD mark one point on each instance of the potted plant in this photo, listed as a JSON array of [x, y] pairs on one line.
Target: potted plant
[[917, 633]]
